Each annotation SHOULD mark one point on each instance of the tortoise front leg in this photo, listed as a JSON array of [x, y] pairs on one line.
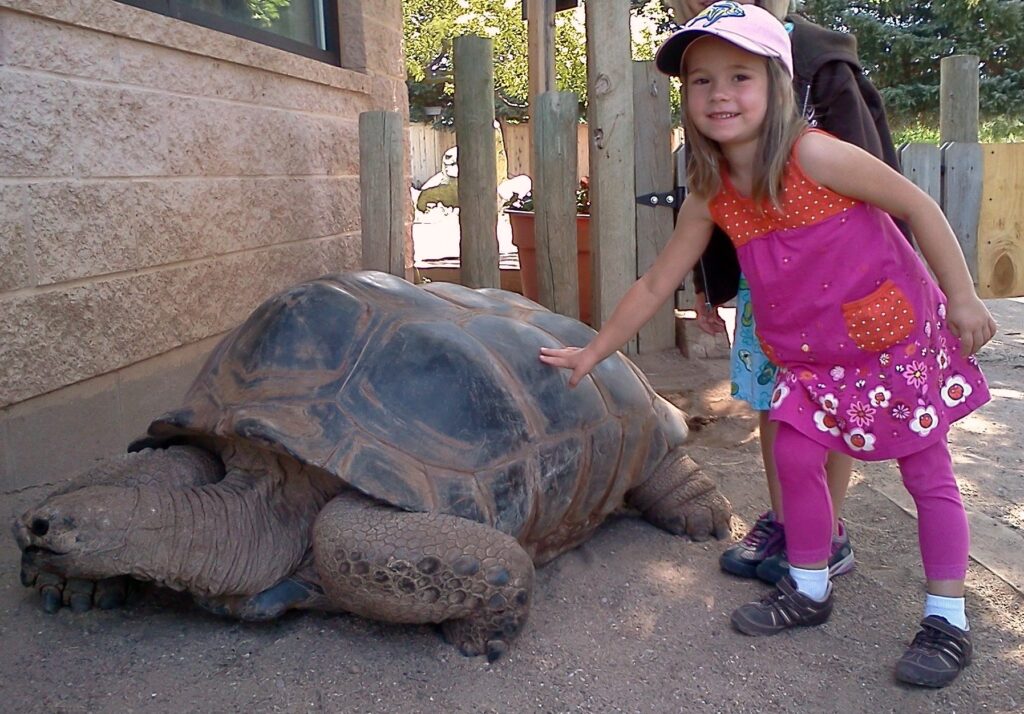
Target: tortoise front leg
[[386, 564], [681, 499]]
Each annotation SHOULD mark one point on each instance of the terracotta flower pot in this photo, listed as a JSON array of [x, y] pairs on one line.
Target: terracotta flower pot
[[522, 238]]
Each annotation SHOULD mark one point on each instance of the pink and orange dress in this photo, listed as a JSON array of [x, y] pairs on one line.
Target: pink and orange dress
[[850, 313]]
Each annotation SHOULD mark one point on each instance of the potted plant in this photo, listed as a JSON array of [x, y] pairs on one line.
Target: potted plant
[[520, 215]]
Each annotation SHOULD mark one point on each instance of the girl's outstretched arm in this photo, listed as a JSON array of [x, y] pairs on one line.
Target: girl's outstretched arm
[[851, 171], [641, 301]]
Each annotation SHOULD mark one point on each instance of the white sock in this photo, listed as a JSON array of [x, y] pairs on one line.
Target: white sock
[[812, 583], [950, 608]]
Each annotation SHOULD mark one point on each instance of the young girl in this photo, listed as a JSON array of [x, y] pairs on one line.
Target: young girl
[[833, 94], [875, 361]]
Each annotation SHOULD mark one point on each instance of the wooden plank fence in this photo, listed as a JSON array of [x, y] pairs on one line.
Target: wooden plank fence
[[426, 147]]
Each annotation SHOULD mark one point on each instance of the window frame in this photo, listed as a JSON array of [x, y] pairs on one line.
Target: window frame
[[180, 10]]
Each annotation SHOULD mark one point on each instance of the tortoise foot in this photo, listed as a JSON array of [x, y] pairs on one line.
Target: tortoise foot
[[77, 594], [486, 633], [396, 566], [683, 500]]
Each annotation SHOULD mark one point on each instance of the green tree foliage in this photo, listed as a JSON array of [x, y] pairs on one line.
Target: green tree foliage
[[901, 44], [431, 26]]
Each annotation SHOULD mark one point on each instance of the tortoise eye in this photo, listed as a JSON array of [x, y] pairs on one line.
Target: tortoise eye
[[40, 526]]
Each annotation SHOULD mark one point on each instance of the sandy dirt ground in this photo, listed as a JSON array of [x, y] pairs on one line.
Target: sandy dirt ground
[[635, 620]]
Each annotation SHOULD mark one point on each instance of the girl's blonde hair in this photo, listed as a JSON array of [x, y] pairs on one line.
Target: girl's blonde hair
[[782, 127]]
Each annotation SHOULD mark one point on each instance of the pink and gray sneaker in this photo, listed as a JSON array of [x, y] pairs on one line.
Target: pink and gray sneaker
[[841, 561], [766, 539]]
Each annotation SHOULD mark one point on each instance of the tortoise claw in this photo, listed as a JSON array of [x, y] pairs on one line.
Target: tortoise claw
[[496, 649], [29, 572], [78, 594], [52, 598]]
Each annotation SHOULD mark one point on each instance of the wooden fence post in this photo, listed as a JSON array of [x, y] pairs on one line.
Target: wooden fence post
[[961, 197], [653, 151], [612, 184], [922, 164], [478, 187], [958, 99], [383, 196], [554, 201], [540, 42]]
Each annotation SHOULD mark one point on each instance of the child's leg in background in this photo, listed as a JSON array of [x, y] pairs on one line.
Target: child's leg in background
[[941, 521], [801, 467], [838, 469], [769, 429]]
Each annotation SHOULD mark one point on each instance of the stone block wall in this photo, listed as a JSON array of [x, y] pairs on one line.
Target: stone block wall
[[158, 180]]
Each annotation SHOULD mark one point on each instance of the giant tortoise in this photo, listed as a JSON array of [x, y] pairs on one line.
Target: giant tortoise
[[360, 444]]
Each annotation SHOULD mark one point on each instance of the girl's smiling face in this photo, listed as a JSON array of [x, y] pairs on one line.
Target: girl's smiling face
[[726, 91]]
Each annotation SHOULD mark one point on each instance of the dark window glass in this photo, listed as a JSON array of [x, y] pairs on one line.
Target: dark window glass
[[306, 27]]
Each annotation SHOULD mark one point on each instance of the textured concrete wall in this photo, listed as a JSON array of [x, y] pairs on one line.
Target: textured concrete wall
[[157, 180]]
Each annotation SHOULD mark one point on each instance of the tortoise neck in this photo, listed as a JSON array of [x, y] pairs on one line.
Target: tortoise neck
[[238, 536]]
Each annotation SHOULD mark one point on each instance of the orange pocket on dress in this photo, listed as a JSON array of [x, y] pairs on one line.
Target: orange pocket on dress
[[880, 320]]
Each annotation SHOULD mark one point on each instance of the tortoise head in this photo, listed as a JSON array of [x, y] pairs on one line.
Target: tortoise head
[[112, 516], [81, 533]]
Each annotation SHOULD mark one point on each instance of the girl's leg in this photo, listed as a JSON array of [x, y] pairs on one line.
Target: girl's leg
[[801, 466], [941, 521], [769, 429], [942, 647], [838, 469], [805, 598]]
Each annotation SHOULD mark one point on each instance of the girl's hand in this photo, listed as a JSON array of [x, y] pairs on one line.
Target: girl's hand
[[971, 321], [578, 359], [708, 320]]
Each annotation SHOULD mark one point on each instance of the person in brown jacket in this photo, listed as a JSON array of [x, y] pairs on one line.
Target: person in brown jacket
[[835, 96]]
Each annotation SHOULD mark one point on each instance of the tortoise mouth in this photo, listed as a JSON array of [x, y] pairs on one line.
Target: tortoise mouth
[[36, 554]]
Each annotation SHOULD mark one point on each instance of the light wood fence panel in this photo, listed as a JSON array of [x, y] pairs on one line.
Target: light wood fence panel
[[426, 147], [1000, 252], [517, 149]]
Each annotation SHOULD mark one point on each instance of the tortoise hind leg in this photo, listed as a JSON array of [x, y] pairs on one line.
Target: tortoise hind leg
[[385, 564], [681, 499]]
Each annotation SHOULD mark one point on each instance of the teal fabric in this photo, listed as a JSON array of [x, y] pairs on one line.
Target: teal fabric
[[753, 376]]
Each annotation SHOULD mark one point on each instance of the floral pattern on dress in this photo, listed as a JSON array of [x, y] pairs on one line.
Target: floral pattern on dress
[[924, 420], [779, 395], [859, 440], [829, 403], [955, 390], [861, 414], [916, 374], [880, 397], [826, 422]]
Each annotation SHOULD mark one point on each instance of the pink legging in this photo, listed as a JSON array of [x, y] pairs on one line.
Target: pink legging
[[928, 476]]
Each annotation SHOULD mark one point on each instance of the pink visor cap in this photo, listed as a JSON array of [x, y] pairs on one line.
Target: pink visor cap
[[749, 27]]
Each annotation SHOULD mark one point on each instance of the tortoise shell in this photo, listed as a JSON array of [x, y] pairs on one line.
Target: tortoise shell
[[433, 399]]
